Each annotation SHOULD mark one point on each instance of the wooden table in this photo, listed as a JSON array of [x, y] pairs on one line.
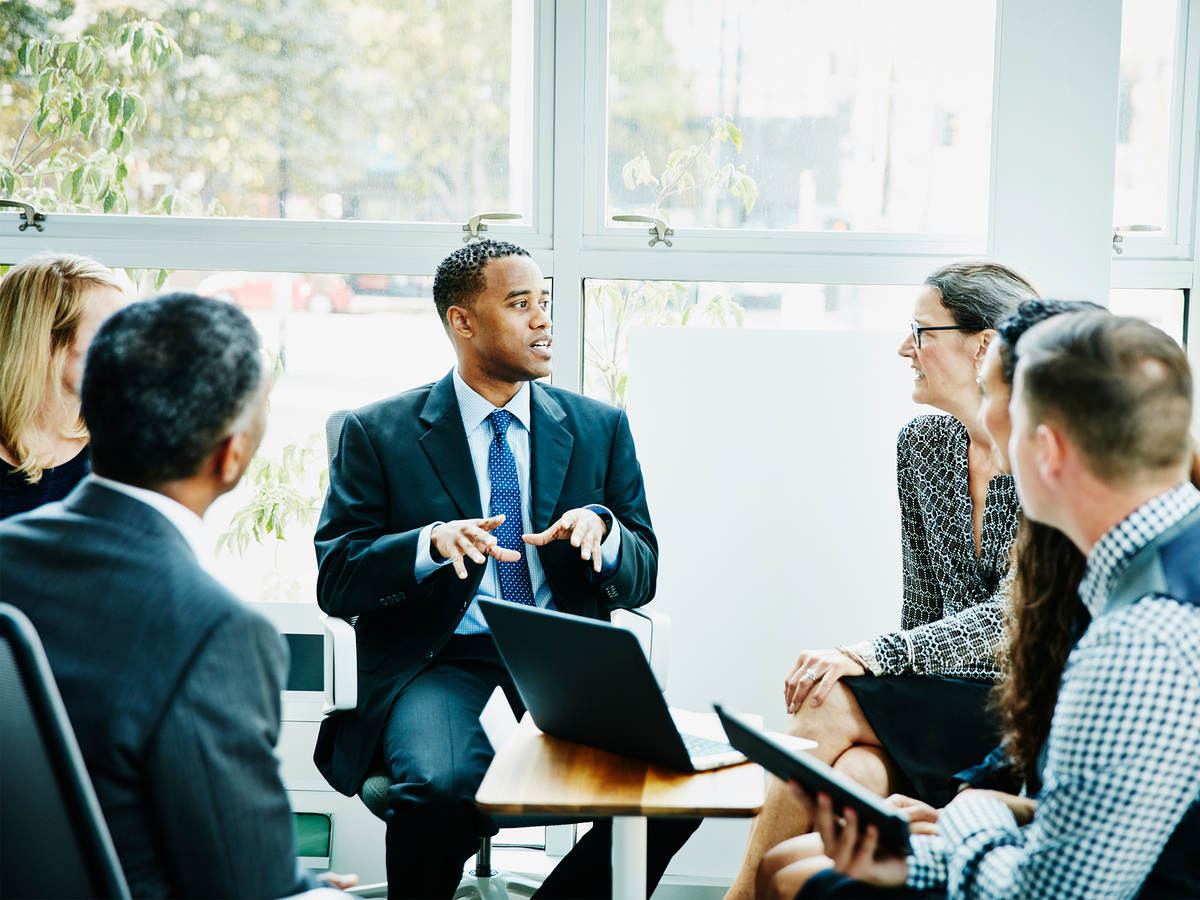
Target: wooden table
[[536, 774]]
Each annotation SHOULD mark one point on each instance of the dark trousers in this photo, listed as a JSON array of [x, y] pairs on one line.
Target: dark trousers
[[436, 753]]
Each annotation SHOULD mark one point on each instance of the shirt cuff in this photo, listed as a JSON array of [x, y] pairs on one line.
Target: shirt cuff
[[424, 565], [610, 549], [927, 862], [975, 818]]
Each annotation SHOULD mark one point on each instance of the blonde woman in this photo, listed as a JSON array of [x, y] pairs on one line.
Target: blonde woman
[[50, 308]]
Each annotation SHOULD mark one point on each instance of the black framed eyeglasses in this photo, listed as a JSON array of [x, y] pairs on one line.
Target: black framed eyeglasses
[[918, 330]]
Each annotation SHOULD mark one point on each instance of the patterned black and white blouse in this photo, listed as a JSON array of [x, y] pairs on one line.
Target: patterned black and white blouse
[[955, 603]]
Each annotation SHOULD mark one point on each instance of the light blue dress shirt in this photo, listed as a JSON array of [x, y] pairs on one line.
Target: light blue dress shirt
[[477, 423]]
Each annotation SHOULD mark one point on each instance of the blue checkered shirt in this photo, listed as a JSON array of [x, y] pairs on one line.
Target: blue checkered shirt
[[477, 423], [1121, 767]]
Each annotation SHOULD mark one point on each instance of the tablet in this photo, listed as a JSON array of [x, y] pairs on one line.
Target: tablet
[[815, 776]]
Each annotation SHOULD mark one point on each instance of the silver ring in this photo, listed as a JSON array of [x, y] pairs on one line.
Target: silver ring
[[812, 676]]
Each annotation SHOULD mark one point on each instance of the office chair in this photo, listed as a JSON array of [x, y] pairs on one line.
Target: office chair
[[54, 838], [650, 627]]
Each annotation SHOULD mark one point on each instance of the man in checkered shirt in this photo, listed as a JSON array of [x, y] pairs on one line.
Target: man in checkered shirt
[[1100, 449]]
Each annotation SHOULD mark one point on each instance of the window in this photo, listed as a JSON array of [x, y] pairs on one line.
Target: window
[[613, 308], [1146, 117], [296, 109], [1164, 308], [340, 342], [867, 115]]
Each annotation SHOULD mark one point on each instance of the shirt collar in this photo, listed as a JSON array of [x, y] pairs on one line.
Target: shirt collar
[[475, 408], [1112, 552], [187, 522]]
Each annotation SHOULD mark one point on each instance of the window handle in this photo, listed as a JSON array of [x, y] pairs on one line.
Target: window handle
[[29, 216], [475, 224], [1120, 230], [659, 232]]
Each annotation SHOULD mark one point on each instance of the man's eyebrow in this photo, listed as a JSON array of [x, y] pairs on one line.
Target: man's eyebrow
[[521, 293]]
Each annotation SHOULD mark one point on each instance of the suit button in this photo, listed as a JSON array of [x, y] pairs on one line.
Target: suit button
[[429, 655]]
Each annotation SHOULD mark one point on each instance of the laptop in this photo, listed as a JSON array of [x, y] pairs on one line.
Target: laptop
[[589, 682]]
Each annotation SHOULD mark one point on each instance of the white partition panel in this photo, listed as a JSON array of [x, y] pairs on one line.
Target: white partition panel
[[769, 459]]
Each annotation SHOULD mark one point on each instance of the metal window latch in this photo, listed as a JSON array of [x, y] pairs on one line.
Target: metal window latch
[[475, 224], [29, 215], [658, 233], [1119, 236]]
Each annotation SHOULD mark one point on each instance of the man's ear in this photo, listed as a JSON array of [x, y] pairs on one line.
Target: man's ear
[[231, 458], [458, 318], [1052, 452]]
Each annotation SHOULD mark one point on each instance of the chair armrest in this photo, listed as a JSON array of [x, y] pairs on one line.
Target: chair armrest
[[341, 666], [653, 631]]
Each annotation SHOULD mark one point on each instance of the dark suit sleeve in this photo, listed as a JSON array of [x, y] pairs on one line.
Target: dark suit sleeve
[[633, 583], [361, 565], [226, 827]]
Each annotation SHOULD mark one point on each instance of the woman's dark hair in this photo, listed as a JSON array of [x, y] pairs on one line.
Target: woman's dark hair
[[1045, 591]]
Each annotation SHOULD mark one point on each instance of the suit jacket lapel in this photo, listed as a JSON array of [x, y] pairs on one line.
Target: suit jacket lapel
[[445, 443], [551, 445]]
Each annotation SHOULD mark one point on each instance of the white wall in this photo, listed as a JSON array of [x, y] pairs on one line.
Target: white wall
[[769, 460]]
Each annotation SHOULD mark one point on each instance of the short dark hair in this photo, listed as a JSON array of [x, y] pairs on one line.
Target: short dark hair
[[980, 294], [1118, 386], [460, 275], [164, 381], [1027, 315]]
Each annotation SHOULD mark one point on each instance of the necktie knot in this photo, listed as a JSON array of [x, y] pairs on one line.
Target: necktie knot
[[501, 418]]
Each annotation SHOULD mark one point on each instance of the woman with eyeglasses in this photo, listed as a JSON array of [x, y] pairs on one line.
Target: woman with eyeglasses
[[902, 711]]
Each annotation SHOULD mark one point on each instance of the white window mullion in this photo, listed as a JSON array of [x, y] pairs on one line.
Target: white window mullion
[[570, 150]]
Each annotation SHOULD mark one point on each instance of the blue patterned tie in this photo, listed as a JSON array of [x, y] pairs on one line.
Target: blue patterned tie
[[506, 498]]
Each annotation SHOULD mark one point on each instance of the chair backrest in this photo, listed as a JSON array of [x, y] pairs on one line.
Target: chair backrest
[[54, 838], [333, 432]]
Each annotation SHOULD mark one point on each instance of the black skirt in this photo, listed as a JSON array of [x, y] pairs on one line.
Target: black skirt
[[931, 727]]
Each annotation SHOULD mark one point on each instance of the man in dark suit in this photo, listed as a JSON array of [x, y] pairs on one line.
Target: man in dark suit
[[483, 485], [171, 684]]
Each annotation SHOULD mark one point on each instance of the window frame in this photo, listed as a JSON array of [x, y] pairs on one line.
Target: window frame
[[570, 240], [1176, 240]]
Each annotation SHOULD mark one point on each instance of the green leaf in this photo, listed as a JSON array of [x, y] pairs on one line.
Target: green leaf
[[110, 200], [118, 138], [76, 109], [23, 53], [71, 57], [114, 106], [168, 203], [735, 135], [128, 108], [44, 81], [77, 184], [86, 124], [161, 278], [139, 38], [122, 171]]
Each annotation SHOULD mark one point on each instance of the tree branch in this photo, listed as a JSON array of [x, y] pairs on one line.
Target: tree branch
[[21, 140]]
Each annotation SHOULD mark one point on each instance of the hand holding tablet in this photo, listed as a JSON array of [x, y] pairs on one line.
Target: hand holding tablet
[[815, 777]]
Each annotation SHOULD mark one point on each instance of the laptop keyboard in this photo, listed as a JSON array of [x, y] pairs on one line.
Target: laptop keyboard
[[699, 746]]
